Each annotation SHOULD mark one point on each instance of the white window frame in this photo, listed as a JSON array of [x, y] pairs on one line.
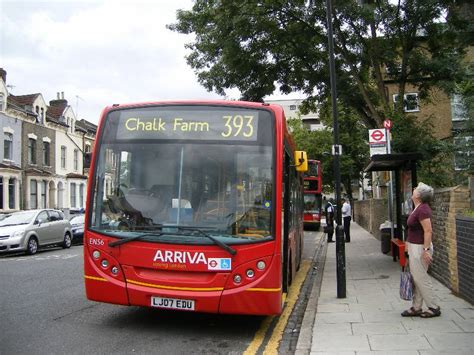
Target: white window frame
[[11, 193], [458, 108], [405, 100], [81, 195], [44, 188], [76, 160], [461, 153], [33, 202], [7, 140], [63, 157], [73, 197]]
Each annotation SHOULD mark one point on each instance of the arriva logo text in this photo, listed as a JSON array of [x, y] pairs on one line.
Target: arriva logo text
[[183, 257]]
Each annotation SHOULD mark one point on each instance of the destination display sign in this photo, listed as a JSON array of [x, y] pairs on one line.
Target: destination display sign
[[223, 124]]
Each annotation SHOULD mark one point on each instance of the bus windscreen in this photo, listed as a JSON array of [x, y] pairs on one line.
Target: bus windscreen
[[159, 168]]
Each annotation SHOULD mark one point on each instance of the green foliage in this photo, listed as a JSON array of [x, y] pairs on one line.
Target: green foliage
[[318, 144], [256, 46]]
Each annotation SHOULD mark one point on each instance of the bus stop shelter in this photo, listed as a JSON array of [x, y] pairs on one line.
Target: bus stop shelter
[[404, 167]]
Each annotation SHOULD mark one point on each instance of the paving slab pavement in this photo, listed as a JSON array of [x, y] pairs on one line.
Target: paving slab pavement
[[368, 320]]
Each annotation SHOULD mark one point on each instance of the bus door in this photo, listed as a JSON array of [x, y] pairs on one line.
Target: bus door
[[286, 195]]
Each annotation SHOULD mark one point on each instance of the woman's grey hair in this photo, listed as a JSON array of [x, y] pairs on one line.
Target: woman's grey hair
[[426, 192]]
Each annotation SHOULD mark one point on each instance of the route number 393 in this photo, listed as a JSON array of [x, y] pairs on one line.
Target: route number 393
[[238, 125]]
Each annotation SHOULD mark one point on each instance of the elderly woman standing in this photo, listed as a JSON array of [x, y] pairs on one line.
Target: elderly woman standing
[[420, 251]]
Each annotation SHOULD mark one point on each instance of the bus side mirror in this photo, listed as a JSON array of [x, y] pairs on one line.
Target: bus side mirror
[[301, 160], [87, 160]]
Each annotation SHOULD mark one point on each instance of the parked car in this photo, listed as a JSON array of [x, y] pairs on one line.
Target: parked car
[[29, 230], [77, 228]]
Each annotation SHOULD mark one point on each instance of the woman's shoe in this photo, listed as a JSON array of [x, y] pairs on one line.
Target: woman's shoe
[[431, 312], [412, 312]]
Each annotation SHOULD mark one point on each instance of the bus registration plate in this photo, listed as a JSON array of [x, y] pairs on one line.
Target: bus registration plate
[[172, 303]]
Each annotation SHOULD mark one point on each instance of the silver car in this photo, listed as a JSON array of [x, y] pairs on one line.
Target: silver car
[[29, 230]]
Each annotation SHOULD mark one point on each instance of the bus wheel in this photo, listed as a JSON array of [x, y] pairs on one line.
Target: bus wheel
[[32, 246]]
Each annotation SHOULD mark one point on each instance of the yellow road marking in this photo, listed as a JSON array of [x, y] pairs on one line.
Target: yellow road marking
[[259, 336], [291, 298], [272, 346]]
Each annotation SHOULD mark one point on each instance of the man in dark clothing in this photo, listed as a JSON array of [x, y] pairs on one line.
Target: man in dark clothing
[[329, 211]]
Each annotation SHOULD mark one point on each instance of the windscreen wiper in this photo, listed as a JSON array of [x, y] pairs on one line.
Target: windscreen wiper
[[131, 239], [215, 240]]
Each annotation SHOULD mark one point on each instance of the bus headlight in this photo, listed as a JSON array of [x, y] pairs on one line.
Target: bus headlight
[[104, 263], [250, 273], [237, 279], [261, 265], [96, 254], [114, 270]]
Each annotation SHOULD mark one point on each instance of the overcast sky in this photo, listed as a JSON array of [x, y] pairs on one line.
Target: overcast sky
[[97, 52]]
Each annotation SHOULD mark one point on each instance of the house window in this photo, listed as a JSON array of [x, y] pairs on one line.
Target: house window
[[410, 102], [44, 186], [46, 151], [38, 118], [33, 194], [2, 102], [42, 115], [11, 193], [73, 194], [8, 146], [81, 195], [458, 108], [31, 151], [1, 193], [292, 107], [63, 157], [76, 160], [88, 148], [464, 153]]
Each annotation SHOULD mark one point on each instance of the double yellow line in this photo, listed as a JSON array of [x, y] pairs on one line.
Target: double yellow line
[[277, 334]]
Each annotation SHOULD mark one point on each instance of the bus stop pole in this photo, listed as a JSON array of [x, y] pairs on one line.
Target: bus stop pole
[[390, 187], [336, 152]]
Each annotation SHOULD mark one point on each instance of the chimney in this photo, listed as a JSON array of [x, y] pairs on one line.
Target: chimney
[[3, 75], [60, 101]]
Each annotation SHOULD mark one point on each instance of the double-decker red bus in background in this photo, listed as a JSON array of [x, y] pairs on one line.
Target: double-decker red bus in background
[[313, 195], [194, 206]]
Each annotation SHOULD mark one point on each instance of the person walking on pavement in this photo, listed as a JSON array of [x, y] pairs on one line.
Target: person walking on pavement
[[346, 217], [329, 212], [420, 253]]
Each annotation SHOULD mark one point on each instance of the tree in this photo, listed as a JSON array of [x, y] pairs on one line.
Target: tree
[[256, 46], [318, 145]]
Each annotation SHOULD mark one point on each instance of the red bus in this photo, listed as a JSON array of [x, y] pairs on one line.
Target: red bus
[[194, 206], [313, 195]]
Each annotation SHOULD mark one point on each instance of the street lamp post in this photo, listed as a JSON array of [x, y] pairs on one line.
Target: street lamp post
[[336, 151]]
